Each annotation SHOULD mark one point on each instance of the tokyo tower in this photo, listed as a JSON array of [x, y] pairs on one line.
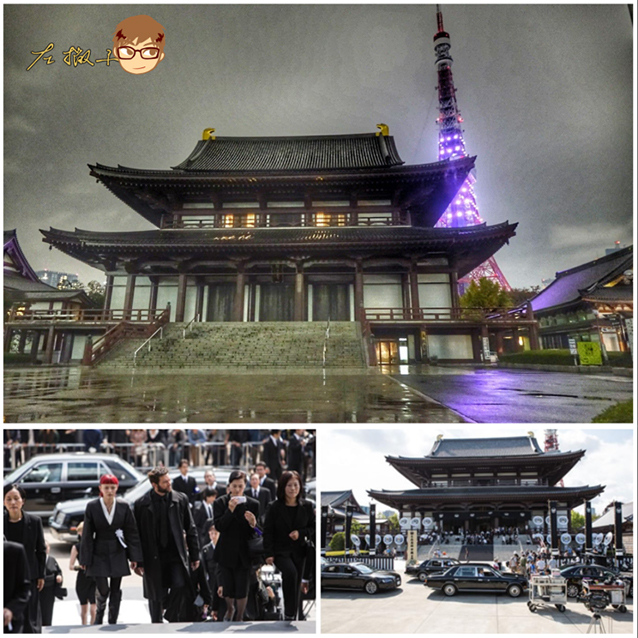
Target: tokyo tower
[[463, 210], [551, 445]]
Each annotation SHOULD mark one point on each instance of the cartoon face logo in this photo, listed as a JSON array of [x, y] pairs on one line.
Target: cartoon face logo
[[138, 43]]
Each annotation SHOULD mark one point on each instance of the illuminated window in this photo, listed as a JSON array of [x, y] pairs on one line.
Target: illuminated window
[[249, 220], [321, 219], [327, 219], [227, 221]]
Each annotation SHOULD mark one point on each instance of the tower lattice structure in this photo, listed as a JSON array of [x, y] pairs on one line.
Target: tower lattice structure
[[551, 445], [463, 210]]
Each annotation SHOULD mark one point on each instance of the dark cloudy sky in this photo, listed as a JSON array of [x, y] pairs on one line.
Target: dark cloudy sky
[[545, 91]]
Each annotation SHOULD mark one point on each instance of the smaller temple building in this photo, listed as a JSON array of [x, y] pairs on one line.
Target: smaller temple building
[[591, 302], [482, 484]]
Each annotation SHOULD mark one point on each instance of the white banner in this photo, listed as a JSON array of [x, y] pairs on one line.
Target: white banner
[[427, 522], [399, 539], [404, 522], [565, 539], [580, 539], [415, 523], [355, 540], [387, 539], [538, 521]]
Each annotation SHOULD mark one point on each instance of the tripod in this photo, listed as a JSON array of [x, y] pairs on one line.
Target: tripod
[[596, 623]]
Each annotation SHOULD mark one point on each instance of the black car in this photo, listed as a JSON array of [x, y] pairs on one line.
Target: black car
[[48, 479], [575, 574], [430, 566], [476, 577], [69, 514], [357, 576]]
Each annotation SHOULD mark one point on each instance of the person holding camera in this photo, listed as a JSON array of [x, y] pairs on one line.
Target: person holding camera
[[235, 518], [288, 533]]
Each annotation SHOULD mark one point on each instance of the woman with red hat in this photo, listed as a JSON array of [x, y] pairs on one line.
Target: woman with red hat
[[110, 538]]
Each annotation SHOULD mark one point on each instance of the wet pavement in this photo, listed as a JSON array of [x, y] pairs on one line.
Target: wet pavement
[[269, 395], [501, 395]]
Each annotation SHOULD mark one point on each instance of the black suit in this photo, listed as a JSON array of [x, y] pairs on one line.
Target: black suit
[[202, 518], [296, 455], [263, 497], [166, 567], [271, 456], [33, 542], [17, 584], [271, 486], [188, 487], [214, 579]]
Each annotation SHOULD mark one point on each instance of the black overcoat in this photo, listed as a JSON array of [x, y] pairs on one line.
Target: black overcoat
[[17, 584], [184, 533], [234, 531], [33, 542], [100, 550]]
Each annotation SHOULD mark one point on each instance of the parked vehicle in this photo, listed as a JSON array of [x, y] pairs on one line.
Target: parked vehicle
[[69, 514], [357, 576], [476, 577], [430, 566], [575, 574], [48, 479]]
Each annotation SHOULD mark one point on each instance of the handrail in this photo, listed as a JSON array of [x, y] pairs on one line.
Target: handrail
[[160, 330], [189, 327], [325, 341]]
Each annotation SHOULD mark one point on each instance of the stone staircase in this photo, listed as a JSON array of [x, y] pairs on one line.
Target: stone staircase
[[230, 344]]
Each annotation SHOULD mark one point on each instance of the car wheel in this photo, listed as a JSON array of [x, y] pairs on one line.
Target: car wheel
[[573, 591], [622, 609], [514, 591], [371, 587], [422, 576], [449, 589]]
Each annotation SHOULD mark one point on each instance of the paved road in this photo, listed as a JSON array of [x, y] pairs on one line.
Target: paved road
[[502, 395], [418, 609]]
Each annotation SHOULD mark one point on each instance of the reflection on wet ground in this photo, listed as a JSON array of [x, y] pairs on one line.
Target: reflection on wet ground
[[276, 395]]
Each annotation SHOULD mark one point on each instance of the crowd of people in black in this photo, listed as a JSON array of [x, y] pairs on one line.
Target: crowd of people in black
[[203, 552]]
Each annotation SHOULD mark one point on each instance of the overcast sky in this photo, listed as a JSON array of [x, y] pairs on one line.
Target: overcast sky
[[355, 459], [545, 92]]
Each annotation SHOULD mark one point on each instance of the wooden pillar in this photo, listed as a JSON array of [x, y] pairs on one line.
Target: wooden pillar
[[300, 296], [48, 355], [358, 292], [414, 291], [199, 301], [108, 292], [238, 310], [534, 341], [129, 295], [181, 298], [8, 335], [23, 341], [499, 342], [34, 346], [152, 298], [454, 288], [515, 335]]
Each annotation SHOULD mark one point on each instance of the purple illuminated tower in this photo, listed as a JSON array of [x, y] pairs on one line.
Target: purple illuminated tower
[[463, 210]]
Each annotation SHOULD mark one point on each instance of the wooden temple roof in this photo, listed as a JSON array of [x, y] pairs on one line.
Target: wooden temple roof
[[552, 466], [321, 152], [592, 278], [468, 247], [324, 167], [485, 494]]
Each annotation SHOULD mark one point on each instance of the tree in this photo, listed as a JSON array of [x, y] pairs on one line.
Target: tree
[[487, 294], [393, 523], [578, 520], [520, 295], [338, 542], [94, 289]]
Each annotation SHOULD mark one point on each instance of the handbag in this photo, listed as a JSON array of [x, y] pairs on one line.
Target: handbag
[[256, 544]]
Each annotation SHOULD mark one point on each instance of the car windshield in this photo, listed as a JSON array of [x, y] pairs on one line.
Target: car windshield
[[363, 569], [18, 472]]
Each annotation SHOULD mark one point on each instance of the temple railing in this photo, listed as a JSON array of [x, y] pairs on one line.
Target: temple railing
[[126, 329], [86, 315], [471, 315]]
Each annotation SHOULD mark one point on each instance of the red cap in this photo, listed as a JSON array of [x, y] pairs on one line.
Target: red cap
[[109, 479]]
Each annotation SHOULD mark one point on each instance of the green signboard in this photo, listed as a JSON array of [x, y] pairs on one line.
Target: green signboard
[[589, 353]]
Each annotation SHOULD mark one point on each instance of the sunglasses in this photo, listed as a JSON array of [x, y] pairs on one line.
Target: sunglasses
[[128, 53]]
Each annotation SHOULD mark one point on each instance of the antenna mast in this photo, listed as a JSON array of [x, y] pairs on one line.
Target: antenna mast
[[463, 211]]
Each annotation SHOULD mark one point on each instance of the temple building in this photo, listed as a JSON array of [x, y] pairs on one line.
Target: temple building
[[481, 484], [590, 302], [300, 229]]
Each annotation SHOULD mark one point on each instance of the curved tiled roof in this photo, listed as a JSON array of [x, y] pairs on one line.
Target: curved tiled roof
[[504, 446], [323, 152], [569, 285]]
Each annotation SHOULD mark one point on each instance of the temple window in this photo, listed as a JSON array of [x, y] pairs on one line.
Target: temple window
[[228, 221]]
